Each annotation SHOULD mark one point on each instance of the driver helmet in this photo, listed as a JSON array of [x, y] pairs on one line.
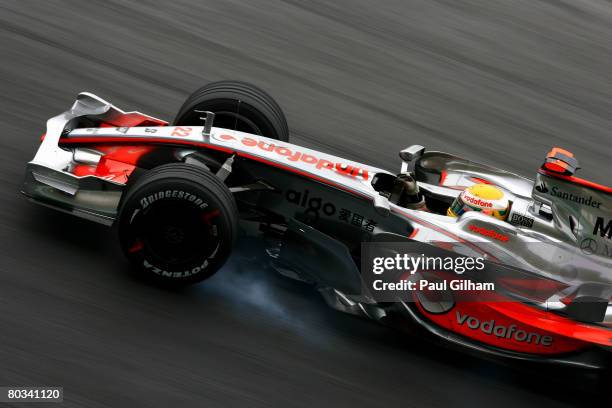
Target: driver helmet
[[485, 198]]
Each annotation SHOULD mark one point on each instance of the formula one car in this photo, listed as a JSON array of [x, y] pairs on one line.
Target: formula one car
[[181, 193]]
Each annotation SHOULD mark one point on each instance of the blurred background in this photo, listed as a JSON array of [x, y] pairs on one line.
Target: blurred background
[[496, 81]]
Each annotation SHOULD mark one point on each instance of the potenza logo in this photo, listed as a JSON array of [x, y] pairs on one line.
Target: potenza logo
[[179, 274], [295, 156], [501, 331], [178, 194]]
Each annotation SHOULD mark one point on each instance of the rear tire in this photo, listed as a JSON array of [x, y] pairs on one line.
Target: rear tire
[[178, 224], [237, 106]]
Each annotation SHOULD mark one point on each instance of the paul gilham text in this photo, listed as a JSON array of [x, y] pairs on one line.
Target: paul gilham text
[[423, 284]]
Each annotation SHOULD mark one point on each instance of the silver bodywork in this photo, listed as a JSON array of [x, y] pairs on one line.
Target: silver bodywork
[[544, 232], [48, 178]]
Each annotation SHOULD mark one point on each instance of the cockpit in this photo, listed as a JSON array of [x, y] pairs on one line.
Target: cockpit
[[447, 185]]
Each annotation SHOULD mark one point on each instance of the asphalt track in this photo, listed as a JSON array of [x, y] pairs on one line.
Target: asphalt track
[[497, 81]]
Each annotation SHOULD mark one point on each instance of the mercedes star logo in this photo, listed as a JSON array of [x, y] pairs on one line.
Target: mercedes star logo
[[588, 246]]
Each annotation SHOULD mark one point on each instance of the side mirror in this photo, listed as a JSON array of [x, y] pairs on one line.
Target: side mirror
[[410, 154], [208, 122]]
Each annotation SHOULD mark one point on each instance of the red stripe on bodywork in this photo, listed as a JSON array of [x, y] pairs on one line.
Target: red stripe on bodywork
[[413, 233], [139, 140], [153, 140], [443, 175], [479, 180], [578, 180], [430, 225]]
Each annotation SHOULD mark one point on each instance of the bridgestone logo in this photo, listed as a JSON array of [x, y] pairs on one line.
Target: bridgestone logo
[[178, 194], [504, 332]]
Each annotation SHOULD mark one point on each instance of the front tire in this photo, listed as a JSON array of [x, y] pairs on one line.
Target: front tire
[[178, 224], [237, 106]]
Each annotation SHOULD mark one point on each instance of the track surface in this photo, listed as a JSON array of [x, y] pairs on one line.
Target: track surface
[[497, 81]]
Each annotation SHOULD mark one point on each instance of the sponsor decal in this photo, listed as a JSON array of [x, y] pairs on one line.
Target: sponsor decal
[[564, 195], [488, 233], [512, 332], [151, 130], [296, 156], [603, 228], [477, 201], [178, 194], [123, 129], [522, 220], [312, 205], [588, 246], [316, 206], [356, 219]]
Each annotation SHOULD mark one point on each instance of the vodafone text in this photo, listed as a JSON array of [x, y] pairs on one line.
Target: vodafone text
[[297, 156]]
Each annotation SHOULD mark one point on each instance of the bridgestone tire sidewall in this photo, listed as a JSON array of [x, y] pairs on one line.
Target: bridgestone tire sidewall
[[136, 218]]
